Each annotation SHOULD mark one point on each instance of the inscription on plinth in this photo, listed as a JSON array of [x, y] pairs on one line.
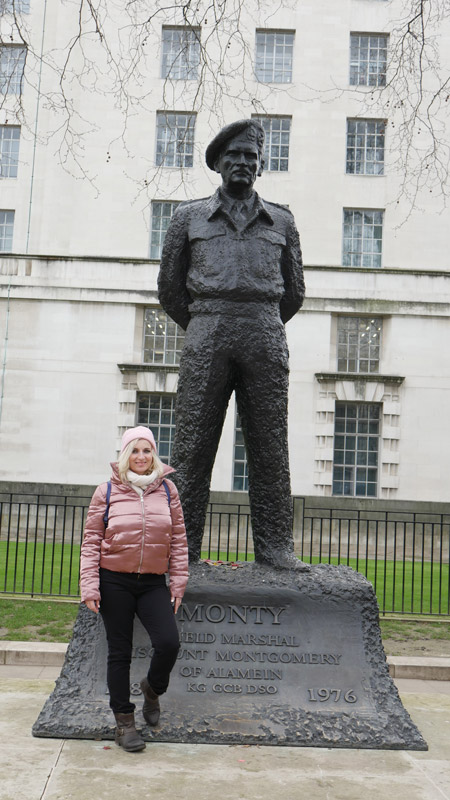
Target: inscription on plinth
[[296, 664], [280, 649], [289, 648]]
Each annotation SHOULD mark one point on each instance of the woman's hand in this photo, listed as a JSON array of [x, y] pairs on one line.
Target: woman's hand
[[93, 605], [176, 602]]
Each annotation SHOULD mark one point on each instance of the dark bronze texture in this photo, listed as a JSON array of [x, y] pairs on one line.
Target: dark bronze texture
[[267, 657], [231, 275]]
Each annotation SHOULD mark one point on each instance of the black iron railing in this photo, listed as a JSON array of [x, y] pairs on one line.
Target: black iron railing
[[404, 554], [40, 538]]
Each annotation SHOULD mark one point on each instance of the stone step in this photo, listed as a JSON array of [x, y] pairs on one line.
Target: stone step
[[40, 654]]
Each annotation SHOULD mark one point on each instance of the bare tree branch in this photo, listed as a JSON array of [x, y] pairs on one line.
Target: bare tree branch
[[112, 46]]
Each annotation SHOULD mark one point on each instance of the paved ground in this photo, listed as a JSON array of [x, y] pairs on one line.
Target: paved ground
[[54, 769]]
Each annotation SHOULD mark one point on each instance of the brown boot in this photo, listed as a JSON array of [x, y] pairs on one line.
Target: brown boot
[[126, 733], [151, 709]]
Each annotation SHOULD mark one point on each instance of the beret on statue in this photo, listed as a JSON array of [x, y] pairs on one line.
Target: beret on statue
[[254, 132]]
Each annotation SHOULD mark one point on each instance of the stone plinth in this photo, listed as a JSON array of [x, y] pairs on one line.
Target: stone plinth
[[267, 657]]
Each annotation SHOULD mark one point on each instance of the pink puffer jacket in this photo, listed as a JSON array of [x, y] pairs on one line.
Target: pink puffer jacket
[[144, 534]]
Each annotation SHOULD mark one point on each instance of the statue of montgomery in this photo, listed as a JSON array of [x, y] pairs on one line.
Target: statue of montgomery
[[231, 276]]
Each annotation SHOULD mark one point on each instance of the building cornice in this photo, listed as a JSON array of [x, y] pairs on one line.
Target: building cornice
[[323, 377], [124, 368], [103, 259], [307, 267], [434, 273]]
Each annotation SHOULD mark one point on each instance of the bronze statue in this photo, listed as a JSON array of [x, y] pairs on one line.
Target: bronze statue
[[231, 275]]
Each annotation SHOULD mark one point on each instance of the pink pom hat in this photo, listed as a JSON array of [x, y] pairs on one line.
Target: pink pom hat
[[138, 433]]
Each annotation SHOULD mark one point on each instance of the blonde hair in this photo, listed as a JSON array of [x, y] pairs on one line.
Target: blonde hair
[[123, 462]]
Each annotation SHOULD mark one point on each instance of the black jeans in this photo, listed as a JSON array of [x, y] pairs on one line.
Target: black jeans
[[123, 595]]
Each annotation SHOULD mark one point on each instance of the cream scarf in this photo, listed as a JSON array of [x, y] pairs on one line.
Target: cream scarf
[[140, 482]]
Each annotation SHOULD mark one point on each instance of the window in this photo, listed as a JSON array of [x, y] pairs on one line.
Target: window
[[365, 146], [157, 411], [161, 216], [240, 470], [163, 338], [368, 58], [362, 238], [175, 140], [274, 55], [181, 53], [14, 6], [276, 151], [12, 63], [6, 231], [9, 150], [356, 441], [358, 348]]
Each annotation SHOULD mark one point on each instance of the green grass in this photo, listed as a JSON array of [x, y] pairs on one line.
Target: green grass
[[407, 588], [400, 630], [416, 637], [36, 620], [39, 568]]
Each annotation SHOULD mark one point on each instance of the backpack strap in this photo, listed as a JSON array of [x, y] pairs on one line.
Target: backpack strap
[[108, 498], [164, 483]]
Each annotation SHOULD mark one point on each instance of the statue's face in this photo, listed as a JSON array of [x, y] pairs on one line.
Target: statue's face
[[239, 163]]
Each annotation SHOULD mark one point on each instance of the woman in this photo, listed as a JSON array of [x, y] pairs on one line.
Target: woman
[[129, 544]]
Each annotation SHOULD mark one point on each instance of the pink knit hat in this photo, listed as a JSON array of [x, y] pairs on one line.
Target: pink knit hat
[[138, 433]]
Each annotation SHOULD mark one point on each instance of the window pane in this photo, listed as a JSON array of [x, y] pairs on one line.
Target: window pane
[[175, 139], [276, 155], [365, 152], [12, 64], [181, 53], [161, 216], [6, 231], [359, 344], [368, 58], [240, 470], [9, 150], [356, 479], [273, 61], [362, 237], [160, 347], [158, 413], [14, 7]]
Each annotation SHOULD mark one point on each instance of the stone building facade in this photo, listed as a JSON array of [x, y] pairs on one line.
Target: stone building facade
[[85, 348]]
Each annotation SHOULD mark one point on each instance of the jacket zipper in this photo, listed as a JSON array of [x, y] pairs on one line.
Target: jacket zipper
[[143, 534]]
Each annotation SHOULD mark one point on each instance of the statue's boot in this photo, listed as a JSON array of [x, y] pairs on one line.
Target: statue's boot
[[280, 559]]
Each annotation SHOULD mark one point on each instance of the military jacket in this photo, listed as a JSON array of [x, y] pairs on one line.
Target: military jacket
[[206, 256]]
